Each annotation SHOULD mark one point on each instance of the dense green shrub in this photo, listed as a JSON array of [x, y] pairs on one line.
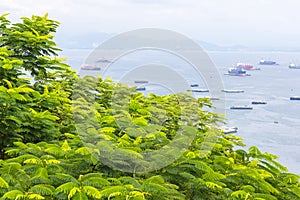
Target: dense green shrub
[[39, 108]]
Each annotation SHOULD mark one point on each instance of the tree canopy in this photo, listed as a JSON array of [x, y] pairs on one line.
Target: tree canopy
[[54, 146]]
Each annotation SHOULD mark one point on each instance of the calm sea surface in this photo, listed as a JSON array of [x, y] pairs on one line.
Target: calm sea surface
[[274, 127]]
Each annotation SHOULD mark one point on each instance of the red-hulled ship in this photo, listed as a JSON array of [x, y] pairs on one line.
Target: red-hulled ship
[[245, 66]]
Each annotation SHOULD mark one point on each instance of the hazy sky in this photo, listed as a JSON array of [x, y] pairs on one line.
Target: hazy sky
[[247, 22]]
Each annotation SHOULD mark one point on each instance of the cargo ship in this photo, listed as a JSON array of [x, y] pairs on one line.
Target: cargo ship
[[267, 62], [237, 71]]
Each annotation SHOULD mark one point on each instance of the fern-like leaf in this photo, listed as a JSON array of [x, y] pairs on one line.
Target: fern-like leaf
[[72, 192], [264, 196], [113, 189], [154, 188], [213, 176], [34, 196], [155, 179], [80, 196], [92, 192], [130, 180], [3, 183], [42, 189], [83, 151], [12, 194], [66, 187]]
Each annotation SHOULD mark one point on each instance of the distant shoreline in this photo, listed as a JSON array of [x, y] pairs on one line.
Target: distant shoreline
[[215, 51]]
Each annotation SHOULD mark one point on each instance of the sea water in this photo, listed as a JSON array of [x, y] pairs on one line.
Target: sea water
[[273, 127]]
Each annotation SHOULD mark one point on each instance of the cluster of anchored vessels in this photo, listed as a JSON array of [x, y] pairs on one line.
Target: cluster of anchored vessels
[[241, 68]]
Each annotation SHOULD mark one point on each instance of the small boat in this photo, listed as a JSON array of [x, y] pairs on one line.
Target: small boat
[[267, 62], [241, 107], [214, 98], [295, 98], [90, 67], [198, 90], [294, 66], [258, 102], [229, 130], [194, 85], [237, 71], [141, 81], [140, 89], [233, 91], [103, 60]]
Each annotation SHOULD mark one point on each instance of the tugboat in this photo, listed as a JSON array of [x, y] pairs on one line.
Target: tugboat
[[140, 89], [233, 91], [103, 60], [267, 62], [229, 130], [258, 102], [295, 98], [241, 107], [198, 90], [141, 81], [294, 66]]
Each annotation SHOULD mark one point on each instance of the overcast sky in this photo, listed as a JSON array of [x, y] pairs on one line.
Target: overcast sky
[[272, 23]]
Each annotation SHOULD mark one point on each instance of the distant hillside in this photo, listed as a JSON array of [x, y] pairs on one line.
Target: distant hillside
[[81, 41], [214, 47], [92, 40]]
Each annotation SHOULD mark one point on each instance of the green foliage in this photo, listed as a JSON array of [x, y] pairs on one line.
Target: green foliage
[[43, 157], [37, 110]]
